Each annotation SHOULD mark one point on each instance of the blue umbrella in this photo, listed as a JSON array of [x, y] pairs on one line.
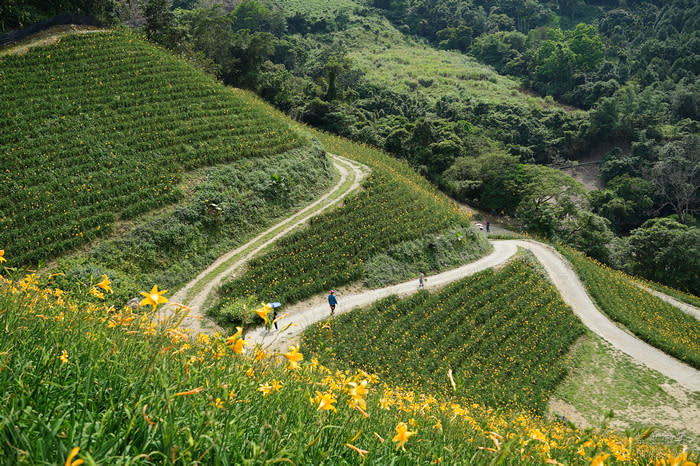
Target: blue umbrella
[[275, 305]]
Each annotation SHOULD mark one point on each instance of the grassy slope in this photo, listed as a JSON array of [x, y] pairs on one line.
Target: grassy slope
[[397, 62], [603, 380], [126, 390], [316, 8], [504, 334], [113, 122]]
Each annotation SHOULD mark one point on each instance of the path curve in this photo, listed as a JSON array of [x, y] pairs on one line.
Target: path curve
[[195, 321], [562, 275]]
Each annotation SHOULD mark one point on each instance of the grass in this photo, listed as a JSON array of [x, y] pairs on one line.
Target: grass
[[503, 334], [316, 8], [120, 388], [603, 379]]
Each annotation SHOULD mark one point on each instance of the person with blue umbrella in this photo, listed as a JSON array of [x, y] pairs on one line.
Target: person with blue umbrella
[[274, 307]]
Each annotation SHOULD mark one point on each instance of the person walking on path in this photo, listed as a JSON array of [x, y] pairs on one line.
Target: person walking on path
[[332, 301], [421, 280], [488, 226]]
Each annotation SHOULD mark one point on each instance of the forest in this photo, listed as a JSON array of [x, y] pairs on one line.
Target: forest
[[541, 85]]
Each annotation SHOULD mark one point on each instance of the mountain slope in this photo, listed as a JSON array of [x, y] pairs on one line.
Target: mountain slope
[[101, 127]]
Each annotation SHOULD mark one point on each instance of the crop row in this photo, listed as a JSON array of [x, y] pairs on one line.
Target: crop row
[[100, 128], [332, 250], [504, 335], [86, 382], [651, 319]]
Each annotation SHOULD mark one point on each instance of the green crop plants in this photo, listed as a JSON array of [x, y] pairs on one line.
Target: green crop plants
[[682, 296], [651, 319], [504, 335], [395, 206], [100, 128], [88, 382], [228, 204]]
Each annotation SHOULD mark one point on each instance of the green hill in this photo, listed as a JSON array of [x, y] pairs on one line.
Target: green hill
[[127, 387], [101, 128]]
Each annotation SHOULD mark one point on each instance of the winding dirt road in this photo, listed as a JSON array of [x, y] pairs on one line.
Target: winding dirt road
[[194, 295], [301, 315], [562, 275]]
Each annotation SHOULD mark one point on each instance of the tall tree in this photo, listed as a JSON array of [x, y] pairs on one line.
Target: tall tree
[[677, 176]]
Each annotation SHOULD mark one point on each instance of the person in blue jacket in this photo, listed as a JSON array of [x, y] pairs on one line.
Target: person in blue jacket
[[332, 301]]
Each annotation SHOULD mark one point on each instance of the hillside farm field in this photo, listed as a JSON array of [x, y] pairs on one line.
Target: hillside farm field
[[658, 323], [396, 205], [125, 389], [504, 335], [100, 127]]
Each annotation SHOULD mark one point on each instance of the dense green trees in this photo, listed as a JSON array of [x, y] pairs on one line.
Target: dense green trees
[[666, 251], [17, 14]]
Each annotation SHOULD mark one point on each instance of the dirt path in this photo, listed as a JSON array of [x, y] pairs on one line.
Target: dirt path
[[194, 295], [687, 308], [563, 276]]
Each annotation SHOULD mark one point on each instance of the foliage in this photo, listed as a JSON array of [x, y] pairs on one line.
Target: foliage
[[128, 388], [651, 319], [113, 122], [435, 253], [395, 206], [500, 354], [626, 202], [17, 14], [227, 205], [666, 251]]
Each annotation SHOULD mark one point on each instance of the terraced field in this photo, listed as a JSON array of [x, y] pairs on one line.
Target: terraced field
[[100, 127], [658, 323], [396, 205], [503, 334]]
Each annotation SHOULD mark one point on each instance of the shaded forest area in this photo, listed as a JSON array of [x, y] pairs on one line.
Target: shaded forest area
[[615, 74]]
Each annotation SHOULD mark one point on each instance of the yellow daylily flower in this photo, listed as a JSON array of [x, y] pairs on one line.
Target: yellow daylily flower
[[402, 435], [263, 312], [73, 453], [154, 298], [2, 256], [265, 388], [294, 356], [325, 401], [357, 393], [599, 460], [64, 357], [235, 342], [105, 284], [680, 460]]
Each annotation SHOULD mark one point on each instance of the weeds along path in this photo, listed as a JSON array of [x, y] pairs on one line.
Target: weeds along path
[[194, 295], [560, 272]]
